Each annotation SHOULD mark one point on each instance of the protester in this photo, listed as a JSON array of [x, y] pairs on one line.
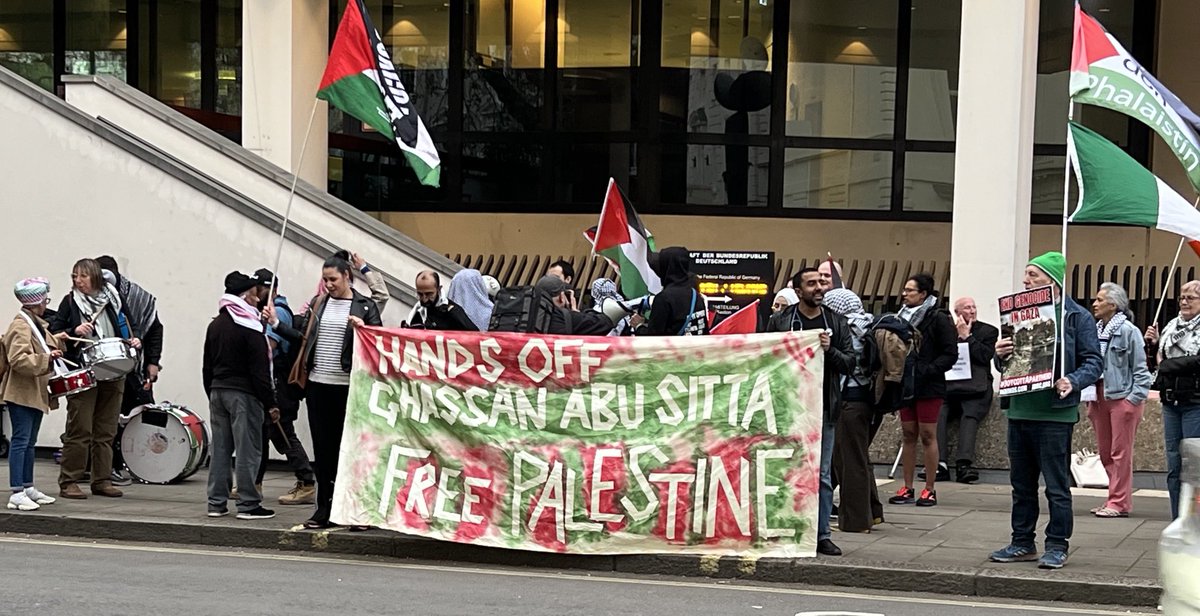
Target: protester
[[1179, 382], [967, 400], [469, 291], [936, 353], [144, 323], [679, 309], [1041, 423], [564, 270], [831, 275], [810, 314], [602, 289], [783, 299], [237, 379], [93, 310], [281, 431], [29, 352], [323, 369], [568, 322], [1118, 398], [493, 286], [860, 508], [434, 310]]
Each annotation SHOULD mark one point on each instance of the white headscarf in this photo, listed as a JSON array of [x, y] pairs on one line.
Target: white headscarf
[[469, 291]]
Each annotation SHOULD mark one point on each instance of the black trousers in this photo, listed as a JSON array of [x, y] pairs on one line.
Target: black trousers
[[852, 460], [326, 414], [283, 436], [970, 411]]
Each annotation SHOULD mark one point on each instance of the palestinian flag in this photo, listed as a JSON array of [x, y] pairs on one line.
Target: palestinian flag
[[361, 80], [1104, 74], [621, 238], [1115, 188], [744, 321]]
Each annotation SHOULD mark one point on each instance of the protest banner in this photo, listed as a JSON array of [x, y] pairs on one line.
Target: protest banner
[[1030, 320], [586, 445]]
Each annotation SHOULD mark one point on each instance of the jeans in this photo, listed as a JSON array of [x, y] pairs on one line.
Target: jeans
[[326, 414], [25, 424], [1040, 448], [825, 508], [1180, 421], [236, 419]]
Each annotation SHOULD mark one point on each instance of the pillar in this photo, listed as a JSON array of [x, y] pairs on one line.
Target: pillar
[[993, 162], [285, 44]]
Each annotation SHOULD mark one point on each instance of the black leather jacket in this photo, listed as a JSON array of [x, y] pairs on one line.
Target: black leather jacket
[[362, 307], [840, 359]]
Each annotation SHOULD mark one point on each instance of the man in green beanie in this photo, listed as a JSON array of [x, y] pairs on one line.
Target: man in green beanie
[[1041, 423]]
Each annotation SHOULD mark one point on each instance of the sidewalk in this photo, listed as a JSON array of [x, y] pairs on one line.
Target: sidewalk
[[942, 549]]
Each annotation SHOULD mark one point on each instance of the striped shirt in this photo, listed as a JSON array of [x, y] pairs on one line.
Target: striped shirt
[[331, 335]]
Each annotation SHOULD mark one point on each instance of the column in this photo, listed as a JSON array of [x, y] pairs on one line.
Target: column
[[285, 44], [993, 160]]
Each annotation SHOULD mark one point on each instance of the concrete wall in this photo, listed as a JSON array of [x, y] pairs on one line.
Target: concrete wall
[[72, 191]]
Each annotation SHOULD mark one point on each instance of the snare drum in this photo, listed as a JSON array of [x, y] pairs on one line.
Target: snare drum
[[71, 383], [164, 443], [110, 358]]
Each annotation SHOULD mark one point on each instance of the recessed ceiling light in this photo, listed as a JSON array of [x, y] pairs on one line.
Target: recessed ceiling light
[[1105, 10], [862, 27]]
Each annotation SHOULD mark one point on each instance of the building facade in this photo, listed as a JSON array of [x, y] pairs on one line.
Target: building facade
[[798, 126]]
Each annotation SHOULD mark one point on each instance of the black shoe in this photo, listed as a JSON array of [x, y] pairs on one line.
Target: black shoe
[[928, 499], [965, 473], [258, 513], [828, 548], [904, 496], [943, 472]]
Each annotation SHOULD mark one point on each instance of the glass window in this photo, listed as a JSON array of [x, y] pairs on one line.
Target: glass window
[[715, 175], [27, 40], [505, 52], [595, 43], [837, 179], [842, 69], [417, 32], [379, 180], [933, 69], [172, 36], [929, 182], [229, 57], [1047, 195], [96, 38], [1054, 60], [502, 172], [586, 178], [716, 59]]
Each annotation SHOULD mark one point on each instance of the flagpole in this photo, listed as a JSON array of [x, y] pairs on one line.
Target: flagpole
[[1062, 330], [603, 207], [287, 212], [1170, 275]]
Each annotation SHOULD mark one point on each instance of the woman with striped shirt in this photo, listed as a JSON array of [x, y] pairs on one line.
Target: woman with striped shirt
[[323, 368]]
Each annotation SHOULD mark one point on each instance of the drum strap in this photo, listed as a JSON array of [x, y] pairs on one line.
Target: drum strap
[[59, 368]]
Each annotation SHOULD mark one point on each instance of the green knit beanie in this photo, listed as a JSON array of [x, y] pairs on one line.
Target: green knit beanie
[[1053, 264]]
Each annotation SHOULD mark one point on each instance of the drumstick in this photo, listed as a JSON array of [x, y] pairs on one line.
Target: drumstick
[[85, 340], [68, 362]]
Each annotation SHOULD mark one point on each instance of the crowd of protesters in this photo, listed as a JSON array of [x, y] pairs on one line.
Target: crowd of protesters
[[261, 359]]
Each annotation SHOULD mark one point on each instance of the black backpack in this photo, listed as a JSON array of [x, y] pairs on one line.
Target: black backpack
[[521, 309]]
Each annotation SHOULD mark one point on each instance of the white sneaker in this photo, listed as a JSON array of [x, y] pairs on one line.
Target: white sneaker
[[21, 502], [38, 496]]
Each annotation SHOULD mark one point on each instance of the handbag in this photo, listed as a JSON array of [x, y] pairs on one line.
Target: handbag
[[1087, 470], [299, 373]]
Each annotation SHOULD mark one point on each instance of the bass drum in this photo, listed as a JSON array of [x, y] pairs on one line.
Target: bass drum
[[164, 443]]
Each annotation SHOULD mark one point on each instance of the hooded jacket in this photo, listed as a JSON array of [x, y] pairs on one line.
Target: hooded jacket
[[679, 309], [840, 359]]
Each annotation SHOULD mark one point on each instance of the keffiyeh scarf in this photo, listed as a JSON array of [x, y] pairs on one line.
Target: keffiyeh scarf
[[1181, 338], [1106, 330]]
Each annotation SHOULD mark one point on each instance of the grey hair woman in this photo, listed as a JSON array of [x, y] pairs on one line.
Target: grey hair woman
[[1116, 407], [1179, 381]]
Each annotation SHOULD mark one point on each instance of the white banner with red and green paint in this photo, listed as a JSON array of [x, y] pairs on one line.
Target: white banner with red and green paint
[[586, 445]]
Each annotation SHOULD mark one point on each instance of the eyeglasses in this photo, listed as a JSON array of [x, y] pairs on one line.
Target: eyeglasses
[[906, 291], [1189, 298]]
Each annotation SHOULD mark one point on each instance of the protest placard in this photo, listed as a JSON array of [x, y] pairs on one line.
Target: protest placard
[[586, 445], [1030, 320]]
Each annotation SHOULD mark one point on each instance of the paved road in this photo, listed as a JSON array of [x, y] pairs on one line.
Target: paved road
[[50, 576]]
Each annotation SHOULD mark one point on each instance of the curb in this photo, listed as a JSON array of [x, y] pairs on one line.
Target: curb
[[964, 581]]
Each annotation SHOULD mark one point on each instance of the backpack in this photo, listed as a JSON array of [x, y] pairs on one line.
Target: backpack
[[889, 330], [521, 309]]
